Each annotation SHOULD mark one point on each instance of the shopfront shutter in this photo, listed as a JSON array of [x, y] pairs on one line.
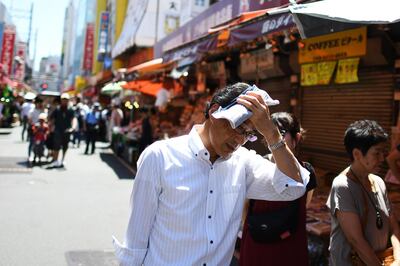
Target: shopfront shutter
[[326, 111], [280, 89]]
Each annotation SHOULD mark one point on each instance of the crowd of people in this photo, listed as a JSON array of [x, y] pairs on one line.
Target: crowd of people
[[184, 213]]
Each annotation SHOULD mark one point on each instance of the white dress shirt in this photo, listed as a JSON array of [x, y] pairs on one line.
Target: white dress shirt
[[187, 211]]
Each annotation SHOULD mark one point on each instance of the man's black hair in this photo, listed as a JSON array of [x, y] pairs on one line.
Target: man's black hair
[[226, 95], [362, 135]]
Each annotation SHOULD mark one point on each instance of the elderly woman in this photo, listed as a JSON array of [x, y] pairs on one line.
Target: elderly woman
[[362, 222]]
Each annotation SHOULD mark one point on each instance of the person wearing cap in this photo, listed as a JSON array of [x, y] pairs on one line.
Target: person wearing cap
[[189, 191], [33, 118], [91, 127], [40, 131], [63, 123]]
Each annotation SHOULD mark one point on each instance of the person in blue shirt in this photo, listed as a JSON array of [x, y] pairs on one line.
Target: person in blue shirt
[[91, 127]]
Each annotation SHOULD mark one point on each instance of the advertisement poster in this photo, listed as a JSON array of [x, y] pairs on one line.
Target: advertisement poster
[[7, 53], [103, 35], [309, 74], [20, 63], [325, 71], [347, 71], [89, 46], [317, 73]]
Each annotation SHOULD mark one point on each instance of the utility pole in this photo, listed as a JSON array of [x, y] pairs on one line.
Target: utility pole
[[34, 50], [30, 27]]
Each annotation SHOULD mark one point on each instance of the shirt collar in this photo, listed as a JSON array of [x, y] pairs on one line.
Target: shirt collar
[[196, 144]]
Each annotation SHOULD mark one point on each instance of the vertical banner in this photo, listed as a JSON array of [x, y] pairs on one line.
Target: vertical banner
[[20, 61], [89, 46], [1, 35], [7, 53], [347, 71], [103, 35]]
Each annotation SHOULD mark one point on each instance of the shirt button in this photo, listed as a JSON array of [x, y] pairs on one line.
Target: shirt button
[[212, 167], [286, 185], [204, 264], [206, 154], [196, 154], [211, 242], [209, 216], [211, 191]]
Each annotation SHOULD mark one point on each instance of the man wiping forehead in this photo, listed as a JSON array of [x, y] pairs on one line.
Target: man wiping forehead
[[189, 191]]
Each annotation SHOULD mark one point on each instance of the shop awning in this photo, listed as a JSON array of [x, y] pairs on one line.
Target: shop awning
[[327, 16], [155, 65], [144, 86]]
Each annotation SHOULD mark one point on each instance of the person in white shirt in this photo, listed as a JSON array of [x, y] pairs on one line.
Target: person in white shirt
[[33, 118], [189, 191], [26, 108]]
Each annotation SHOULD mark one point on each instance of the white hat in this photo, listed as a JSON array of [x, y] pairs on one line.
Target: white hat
[[236, 114], [42, 116], [29, 96], [65, 96]]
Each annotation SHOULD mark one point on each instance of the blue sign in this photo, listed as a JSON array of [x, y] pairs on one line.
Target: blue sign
[[1, 35], [103, 36]]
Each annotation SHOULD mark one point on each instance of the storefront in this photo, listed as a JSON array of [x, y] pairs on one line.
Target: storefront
[[342, 81]]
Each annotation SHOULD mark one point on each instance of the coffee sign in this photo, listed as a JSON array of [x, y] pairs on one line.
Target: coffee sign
[[351, 43]]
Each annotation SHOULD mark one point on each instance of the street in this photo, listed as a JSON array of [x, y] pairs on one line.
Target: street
[[61, 216]]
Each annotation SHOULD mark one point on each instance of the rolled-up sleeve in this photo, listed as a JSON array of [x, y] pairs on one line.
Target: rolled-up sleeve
[[265, 181], [144, 204]]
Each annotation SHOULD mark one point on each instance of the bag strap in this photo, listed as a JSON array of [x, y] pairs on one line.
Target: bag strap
[[293, 203]]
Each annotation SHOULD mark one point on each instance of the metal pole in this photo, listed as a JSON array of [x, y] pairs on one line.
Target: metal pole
[[157, 17], [34, 53], [30, 27]]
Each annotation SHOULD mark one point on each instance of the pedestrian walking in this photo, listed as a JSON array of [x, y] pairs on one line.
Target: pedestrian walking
[[286, 219], [80, 119], [92, 127], [26, 108], [361, 220], [33, 118], [189, 191], [63, 123]]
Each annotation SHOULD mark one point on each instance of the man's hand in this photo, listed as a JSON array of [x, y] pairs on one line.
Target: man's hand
[[261, 118]]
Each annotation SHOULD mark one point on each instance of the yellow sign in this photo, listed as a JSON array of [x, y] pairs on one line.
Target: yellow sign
[[309, 74], [317, 73], [347, 70], [351, 43]]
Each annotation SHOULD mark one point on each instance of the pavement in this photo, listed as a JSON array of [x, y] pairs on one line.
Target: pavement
[[61, 216]]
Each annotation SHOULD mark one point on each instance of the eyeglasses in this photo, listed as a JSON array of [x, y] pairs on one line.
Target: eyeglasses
[[249, 135]]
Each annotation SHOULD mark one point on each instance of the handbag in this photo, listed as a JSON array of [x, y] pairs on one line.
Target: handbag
[[273, 226]]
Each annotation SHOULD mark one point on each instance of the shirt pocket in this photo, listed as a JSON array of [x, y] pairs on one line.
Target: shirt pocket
[[230, 197]]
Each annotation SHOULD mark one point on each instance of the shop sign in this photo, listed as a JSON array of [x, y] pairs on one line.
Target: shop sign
[[20, 66], [103, 35], [7, 53], [223, 37], [347, 71], [317, 73], [89, 45], [351, 43]]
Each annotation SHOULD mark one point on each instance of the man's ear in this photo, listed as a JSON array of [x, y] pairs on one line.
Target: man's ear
[[212, 109], [357, 154]]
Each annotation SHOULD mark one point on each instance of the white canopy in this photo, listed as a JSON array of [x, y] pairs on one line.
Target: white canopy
[[353, 11]]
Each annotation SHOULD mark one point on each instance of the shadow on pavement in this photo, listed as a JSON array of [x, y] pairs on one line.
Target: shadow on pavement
[[120, 170], [90, 258]]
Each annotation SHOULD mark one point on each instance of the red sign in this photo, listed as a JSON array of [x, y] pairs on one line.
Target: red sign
[[89, 47], [20, 61], [7, 53]]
